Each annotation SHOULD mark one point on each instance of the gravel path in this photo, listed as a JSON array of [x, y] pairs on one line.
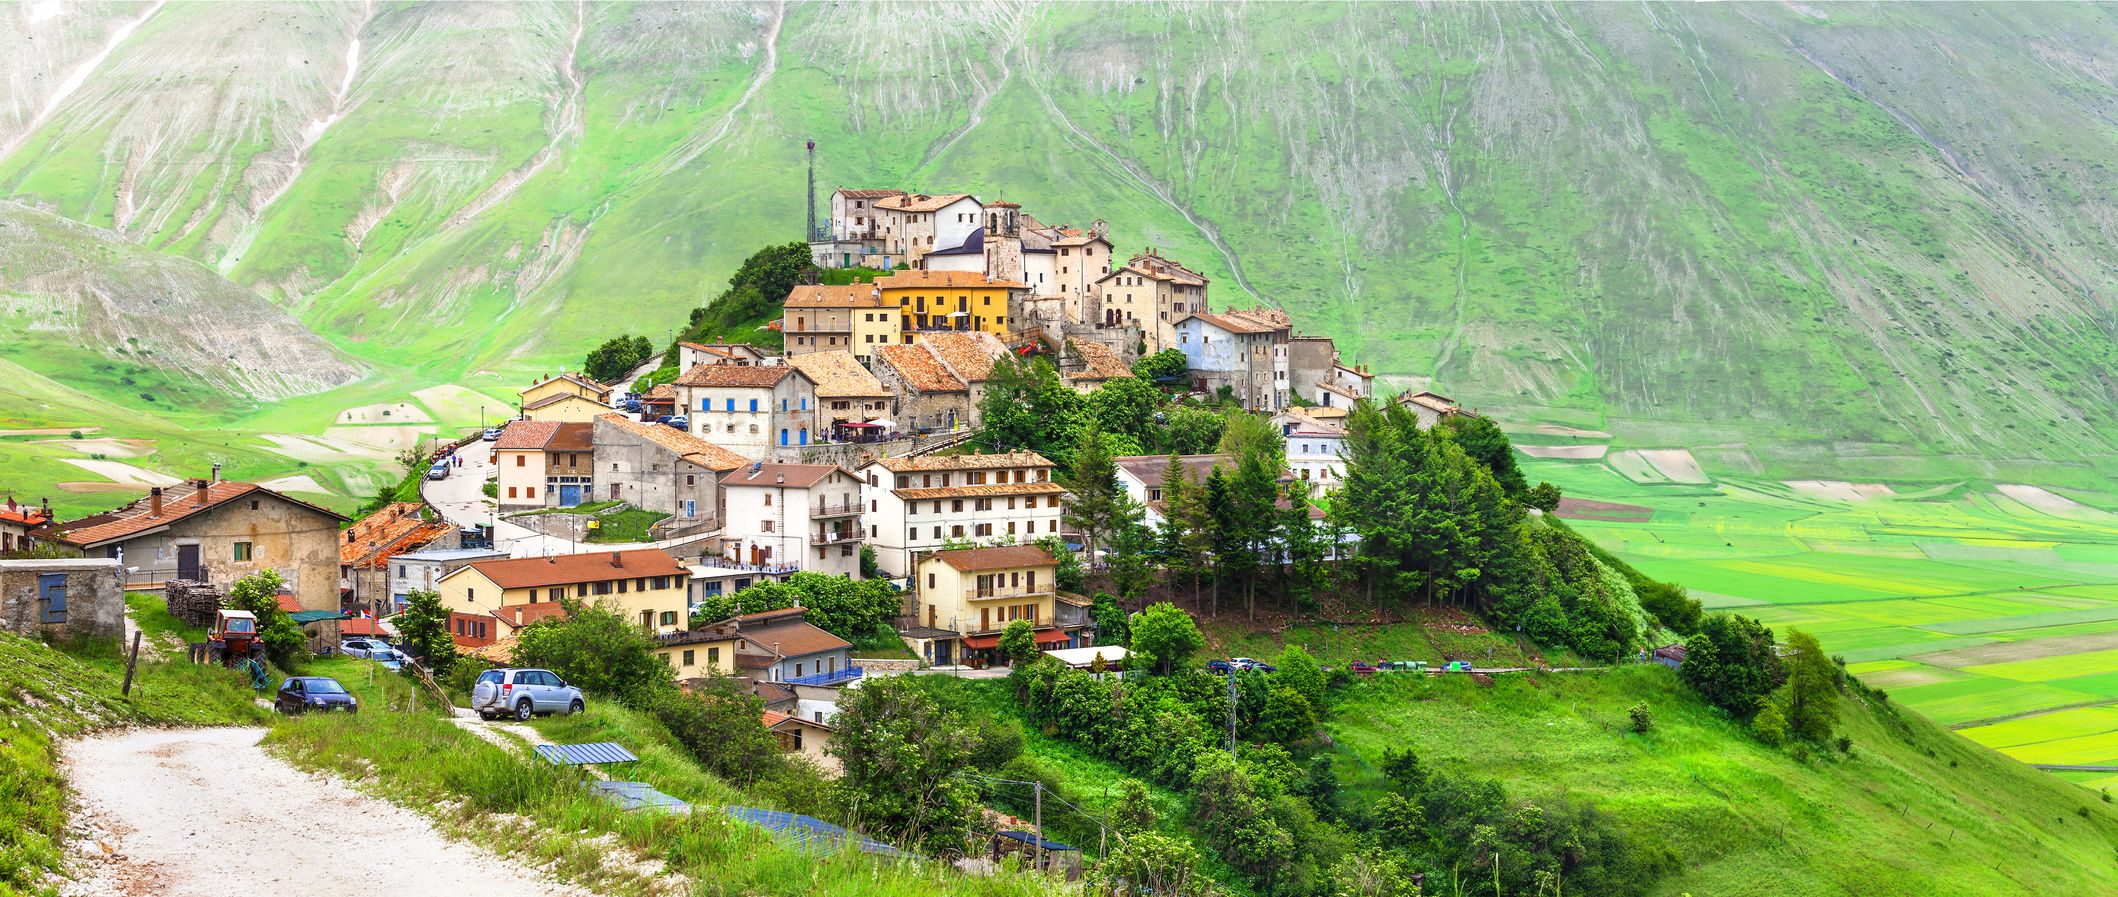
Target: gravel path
[[160, 805]]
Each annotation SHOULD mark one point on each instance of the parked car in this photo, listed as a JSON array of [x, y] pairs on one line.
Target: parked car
[[301, 694], [1220, 666], [523, 693], [440, 471], [361, 646], [1457, 666], [1251, 663], [388, 657], [1361, 668], [680, 422], [491, 434]]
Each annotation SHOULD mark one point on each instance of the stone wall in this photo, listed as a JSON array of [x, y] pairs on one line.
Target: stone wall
[[93, 605]]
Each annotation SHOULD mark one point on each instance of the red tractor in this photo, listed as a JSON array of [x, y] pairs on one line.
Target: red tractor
[[233, 641]]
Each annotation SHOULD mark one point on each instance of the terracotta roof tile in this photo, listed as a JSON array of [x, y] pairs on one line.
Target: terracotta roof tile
[[24, 515], [178, 502], [921, 202], [567, 569], [578, 379], [915, 278], [755, 376], [1003, 557], [969, 355], [793, 638], [853, 193], [572, 436], [924, 463], [526, 434], [920, 368], [1230, 323], [792, 476], [370, 541], [838, 375], [1099, 362], [980, 491], [520, 615], [690, 448], [852, 295]]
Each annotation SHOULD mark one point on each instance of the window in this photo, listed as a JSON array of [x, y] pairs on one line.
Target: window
[[687, 657], [669, 618], [956, 504], [529, 492], [533, 596], [602, 588], [691, 479], [713, 657], [767, 524], [621, 586], [768, 499], [955, 531], [242, 551], [930, 581], [731, 405]]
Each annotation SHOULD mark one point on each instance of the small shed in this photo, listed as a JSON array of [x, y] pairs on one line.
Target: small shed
[[1024, 844], [63, 599], [1671, 655]]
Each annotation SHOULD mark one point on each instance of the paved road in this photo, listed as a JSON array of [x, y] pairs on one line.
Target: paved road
[[158, 808], [624, 384]]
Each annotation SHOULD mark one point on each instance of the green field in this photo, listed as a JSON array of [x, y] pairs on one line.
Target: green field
[[1979, 608]]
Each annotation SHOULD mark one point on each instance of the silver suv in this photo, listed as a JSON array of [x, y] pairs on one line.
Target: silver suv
[[523, 693]]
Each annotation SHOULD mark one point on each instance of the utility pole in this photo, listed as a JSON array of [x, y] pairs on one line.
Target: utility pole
[[1231, 713], [1037, 822]]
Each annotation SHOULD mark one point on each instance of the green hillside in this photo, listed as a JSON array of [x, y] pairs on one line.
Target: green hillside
[[1779, 226]]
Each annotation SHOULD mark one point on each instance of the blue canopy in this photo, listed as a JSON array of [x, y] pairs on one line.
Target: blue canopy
[[807, 831]]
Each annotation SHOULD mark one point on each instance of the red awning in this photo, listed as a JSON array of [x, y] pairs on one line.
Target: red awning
[[858, 425], [981, 641], [1052, 637]]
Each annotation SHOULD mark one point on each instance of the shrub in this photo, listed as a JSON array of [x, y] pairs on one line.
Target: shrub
[[1018, 643], [595, 650], [258, 593], [1642, 718], [1770, 725]]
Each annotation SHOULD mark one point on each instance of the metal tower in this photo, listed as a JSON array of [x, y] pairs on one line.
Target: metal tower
[[813, 235]]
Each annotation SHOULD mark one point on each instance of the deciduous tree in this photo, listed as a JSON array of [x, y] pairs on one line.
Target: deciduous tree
[[1164, 638], [424, 630], [901, 752]]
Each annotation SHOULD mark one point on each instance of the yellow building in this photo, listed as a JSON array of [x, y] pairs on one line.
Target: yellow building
[[948, 300], [976, 592], [565, 384], [701, 652], [564, 407], [645, 586]]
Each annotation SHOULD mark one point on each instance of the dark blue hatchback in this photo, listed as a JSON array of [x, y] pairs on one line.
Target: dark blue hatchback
[[300, 694]]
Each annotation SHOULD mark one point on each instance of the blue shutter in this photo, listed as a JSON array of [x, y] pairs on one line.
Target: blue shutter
[[51, 587]]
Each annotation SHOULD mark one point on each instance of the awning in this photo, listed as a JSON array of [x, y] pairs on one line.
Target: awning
[[305, 617], [848, 423], [1052, 637], [981, 641]]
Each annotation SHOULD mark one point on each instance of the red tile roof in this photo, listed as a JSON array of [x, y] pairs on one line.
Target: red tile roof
[[526, 434], [921, 202], [852, 295], [178, 502], [567, 569], [969, 355], [749, 376], [917, 278], [573, 436], [838, 375], [1000, 558], [24, 515], [395, 529], [853, 193], [792, 476], [925, 463], [795, 638], [920, 369]]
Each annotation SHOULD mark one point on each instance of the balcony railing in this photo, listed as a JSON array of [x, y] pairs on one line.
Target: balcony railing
[[976, 594], [839, 538], [833, 678], [841, 509]]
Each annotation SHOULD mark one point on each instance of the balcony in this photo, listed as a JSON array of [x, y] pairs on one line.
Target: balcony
[[839, 677], [846, 537], [847, 508], [976, 594]]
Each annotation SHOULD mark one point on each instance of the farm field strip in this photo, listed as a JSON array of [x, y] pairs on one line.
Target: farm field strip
[[1975, 608]]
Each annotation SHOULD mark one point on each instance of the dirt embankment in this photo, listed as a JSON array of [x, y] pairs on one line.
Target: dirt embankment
[[157, 807]]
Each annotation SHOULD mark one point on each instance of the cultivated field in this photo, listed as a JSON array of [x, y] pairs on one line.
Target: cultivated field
[[1993, 610]]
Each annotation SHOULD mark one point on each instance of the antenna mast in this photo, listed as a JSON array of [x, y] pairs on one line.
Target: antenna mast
[[813, 235]]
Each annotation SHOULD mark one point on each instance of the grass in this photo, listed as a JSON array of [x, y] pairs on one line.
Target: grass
[[1913, 810], [882, 643], [548, 818], [585, 508], [1424, 635], [47, 695], [625, 525]]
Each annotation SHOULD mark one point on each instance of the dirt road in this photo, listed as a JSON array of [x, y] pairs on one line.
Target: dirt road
[[156, 805]]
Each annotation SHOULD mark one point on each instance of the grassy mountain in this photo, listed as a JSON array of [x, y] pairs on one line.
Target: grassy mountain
[[1839, 236]]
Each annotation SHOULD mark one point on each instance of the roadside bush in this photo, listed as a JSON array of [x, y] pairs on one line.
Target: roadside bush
[[595, 650], [424, 630], [258, 593]]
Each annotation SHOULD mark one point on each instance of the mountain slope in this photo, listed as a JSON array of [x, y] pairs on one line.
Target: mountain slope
[[1850, 238]]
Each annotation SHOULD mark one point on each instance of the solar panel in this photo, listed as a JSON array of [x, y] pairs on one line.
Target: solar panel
[[639, 795], [804, 831], [592, 754]]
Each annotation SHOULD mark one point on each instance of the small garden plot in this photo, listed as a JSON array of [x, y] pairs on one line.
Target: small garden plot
[[1910, 675], [1636, 468], [1883, 649], [2022, 649]]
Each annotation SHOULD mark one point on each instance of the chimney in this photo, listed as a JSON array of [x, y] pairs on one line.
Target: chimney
[[617, 559], [216, 471], [779, 479], [154, 502], [201, 484]]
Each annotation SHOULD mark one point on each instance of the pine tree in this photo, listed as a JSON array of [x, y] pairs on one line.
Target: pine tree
[[1091, 481]]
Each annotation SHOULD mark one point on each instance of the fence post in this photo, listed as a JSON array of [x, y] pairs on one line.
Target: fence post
[[131, 662]]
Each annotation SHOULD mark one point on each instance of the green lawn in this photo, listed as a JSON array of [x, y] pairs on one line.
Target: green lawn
[[628, 525]]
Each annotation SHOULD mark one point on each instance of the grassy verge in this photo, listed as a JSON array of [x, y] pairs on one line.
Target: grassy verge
[[580, 509], [548, 818], [47, 695], [1433, 639], [883, 643]]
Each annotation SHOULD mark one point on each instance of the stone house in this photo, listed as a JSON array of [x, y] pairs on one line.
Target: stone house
[[1153, 292], [1430, 408], [1244, 351], [834, 318], [216, 532], [847, 395], [63, 599], [929, 397], [365, 550], [913, 224], [780, 646], [659, 468], [918, 504], [749, 409]]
